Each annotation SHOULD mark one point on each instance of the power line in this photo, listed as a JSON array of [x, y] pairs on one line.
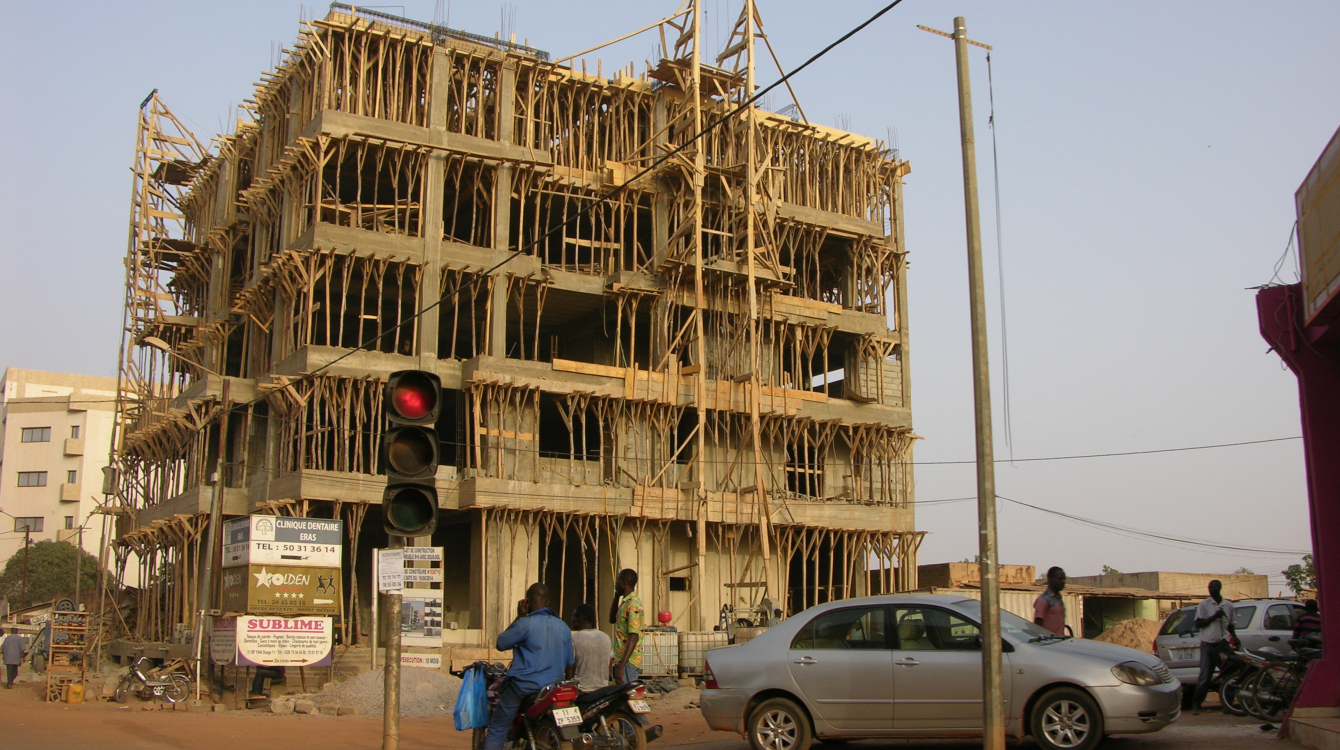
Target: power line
[[1111, 455], [1129, 531]]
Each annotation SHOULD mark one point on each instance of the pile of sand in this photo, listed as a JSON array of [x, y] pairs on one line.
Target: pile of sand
[[1138, 634]]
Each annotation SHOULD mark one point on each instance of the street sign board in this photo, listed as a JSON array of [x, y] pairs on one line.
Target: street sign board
[[284, 641], [263, 590], [282, 540]]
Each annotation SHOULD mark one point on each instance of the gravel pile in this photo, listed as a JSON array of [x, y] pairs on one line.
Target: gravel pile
[[1137, 633], [423, 692]]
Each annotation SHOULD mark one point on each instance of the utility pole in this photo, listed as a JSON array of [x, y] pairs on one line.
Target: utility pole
[[993, 710], [391, 711], [78, 560], [27, 540], [204, 597]]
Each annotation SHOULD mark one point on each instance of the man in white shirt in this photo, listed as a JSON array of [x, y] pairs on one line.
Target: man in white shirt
[[1214, 617], [592, 651]]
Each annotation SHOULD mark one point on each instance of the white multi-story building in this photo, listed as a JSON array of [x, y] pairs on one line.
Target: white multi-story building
[[57, 432]]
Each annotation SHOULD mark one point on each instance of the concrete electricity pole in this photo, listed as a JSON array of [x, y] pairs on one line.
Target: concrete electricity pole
[[391, 686], [993, 710]]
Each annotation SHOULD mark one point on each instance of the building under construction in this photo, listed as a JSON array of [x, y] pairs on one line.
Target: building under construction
[[679, 351]]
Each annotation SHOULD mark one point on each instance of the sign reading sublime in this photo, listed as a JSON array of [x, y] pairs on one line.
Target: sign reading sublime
[[282, 540], [284, 641], [263, 590]]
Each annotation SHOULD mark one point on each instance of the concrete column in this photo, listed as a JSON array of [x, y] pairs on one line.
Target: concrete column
[[899, 244], [430, 212], [502, 209]]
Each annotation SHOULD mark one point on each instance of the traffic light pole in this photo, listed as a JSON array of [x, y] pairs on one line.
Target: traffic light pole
[[391, 686]]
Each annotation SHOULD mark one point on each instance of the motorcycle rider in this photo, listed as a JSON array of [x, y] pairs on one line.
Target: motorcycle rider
[[541, 646]]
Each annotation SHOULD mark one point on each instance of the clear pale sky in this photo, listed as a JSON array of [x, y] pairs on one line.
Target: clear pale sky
[[1149, 152]]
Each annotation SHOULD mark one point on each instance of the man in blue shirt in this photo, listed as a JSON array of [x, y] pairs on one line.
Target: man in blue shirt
[[541, 646]]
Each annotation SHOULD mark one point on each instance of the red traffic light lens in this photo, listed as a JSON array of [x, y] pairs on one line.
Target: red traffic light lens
[[414, 398]]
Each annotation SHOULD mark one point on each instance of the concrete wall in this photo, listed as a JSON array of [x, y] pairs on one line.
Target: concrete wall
[[1236, 585], [953, 575]]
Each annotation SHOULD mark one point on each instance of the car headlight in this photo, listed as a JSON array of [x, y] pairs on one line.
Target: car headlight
[[1135, 673]]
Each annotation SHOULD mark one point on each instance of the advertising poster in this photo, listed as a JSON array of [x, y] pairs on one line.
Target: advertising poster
[[421, 617], [265, 590], [284, 641], [223, 640], [283, 540]]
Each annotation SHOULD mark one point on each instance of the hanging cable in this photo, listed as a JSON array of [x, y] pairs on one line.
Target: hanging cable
[[1000, 267]]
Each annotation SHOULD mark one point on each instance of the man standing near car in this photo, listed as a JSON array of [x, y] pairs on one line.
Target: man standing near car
[[1214, 617], [541, 646], [627, 618], [1049, 607]]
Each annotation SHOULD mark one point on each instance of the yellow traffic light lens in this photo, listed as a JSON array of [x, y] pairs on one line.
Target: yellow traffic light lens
[[410, 451]]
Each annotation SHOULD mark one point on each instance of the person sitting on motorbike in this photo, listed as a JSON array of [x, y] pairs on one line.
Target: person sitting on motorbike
[[593, 650], [541, 646]]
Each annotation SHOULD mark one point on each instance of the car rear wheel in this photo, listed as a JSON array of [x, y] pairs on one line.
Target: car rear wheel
[[779, 724], [1067, 719]]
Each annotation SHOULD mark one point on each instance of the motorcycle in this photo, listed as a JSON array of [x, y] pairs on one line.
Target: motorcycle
[[615, 718], [1269, 691], [560, 717], [148, 682]]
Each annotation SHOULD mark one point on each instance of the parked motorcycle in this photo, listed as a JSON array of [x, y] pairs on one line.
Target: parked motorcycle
[[1269, 691], [148, 682], [560, 717], [1235, 669]]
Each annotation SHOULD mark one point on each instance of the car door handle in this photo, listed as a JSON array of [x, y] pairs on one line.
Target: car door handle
[[1273, 639], [907, 662], [807, 660]]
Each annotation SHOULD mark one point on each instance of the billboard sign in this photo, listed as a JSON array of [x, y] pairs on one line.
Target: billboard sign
[[284, 641], [263, 590], [282, 540]]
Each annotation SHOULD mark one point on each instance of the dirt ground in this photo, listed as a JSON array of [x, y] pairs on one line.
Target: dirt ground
[[27, 722]]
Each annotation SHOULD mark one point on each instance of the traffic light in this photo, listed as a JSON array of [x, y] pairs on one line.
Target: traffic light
[[413, 400]]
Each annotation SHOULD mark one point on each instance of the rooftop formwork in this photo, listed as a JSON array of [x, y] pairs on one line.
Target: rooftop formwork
[[702, 377]]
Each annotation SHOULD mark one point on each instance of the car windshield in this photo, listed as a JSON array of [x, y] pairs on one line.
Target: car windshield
[[1009, 622]]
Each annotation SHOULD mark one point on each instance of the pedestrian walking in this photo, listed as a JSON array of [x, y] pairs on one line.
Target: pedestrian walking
[[627, 618], [592, 650], [1214, 617], [11, 648], [1049, 607]]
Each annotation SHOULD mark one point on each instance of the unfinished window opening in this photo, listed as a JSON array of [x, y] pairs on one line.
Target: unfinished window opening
[[463, 315], [467, 201], [330, 424], [679, 583], [556, 213], [377, 74], [581, 123], [525, 308], [234, 352], [472, 94], [358, 302], [874, 371], [370, 186]]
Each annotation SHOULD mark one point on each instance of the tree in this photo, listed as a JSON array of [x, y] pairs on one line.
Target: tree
[[50, 573], [1244, 571], [1108, 570], [1301, 576]]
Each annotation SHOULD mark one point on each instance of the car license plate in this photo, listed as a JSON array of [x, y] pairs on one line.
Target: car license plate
[[639, 707], [1185, 654], [566, 717]]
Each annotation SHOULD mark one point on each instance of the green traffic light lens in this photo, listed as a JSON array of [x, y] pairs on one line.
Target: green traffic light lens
[[410, 510]]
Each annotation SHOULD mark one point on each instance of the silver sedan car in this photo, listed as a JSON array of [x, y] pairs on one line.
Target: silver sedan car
[[910, 665]]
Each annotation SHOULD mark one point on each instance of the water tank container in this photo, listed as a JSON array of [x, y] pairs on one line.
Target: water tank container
[[660, 654], [693, 648]]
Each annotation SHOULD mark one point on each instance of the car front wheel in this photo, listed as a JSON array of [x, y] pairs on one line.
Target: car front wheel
[[1067, 719], [779, 724]]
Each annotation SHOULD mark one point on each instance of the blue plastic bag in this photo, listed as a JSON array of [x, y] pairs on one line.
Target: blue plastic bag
[[472, 702]]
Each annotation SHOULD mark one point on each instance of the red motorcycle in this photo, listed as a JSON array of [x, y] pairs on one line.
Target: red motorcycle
[[560, 717], [548, 720]]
